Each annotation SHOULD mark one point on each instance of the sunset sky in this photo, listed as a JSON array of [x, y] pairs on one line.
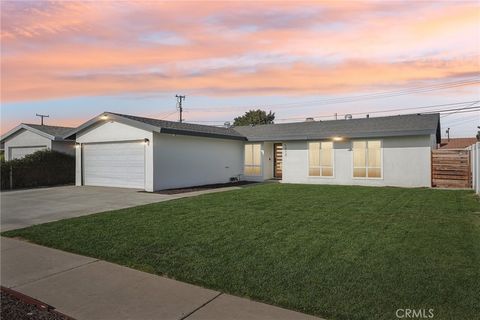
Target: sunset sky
[[73, 60]]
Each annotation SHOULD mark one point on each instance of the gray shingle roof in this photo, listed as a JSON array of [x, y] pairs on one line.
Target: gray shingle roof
[[186, 128], [49, 132], [412, 124], [56, 131], [403, 125]]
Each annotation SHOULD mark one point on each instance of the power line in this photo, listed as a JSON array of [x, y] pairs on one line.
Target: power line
[[387, 94], [395, 110], [467, 107], [455, 108], [168, 115]]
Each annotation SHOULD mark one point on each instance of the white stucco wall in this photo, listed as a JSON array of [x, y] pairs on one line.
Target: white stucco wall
[[25, 138], [406, 163], [110, 131], [183, 161]]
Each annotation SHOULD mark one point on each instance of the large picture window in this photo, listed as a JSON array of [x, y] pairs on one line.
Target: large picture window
[[320, 159], [253, 160], [367, 159]]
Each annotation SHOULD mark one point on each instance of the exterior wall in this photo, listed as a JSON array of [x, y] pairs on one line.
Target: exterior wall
[[25, 138], [111, 131], [67, 147], [406, 163], [183, 161]]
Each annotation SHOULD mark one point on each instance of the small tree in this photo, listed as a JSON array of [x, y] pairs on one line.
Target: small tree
[[254, 117]]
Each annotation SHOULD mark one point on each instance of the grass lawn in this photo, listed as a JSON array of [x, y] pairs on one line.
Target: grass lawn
[[339, 252]]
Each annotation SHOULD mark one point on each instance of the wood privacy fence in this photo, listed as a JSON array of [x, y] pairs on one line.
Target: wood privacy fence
[[451, 168]]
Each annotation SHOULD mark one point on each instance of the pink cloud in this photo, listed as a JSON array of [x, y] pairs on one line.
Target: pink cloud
[[63, 49]]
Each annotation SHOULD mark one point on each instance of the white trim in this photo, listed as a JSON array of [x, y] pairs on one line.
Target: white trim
[[28, 128]]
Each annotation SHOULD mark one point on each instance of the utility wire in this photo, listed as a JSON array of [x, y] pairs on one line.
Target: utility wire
[[387, 94], [467, 107]]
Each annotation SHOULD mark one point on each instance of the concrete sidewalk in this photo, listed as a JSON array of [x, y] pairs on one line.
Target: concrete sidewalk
[[87, 288]]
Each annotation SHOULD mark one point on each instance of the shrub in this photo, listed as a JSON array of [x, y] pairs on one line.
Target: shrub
[[42, 168]]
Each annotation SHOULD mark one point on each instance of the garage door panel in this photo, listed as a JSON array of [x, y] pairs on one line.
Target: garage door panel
[[114, 164]]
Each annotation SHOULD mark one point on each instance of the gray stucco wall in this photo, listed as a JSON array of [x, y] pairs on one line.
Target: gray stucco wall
[[406, 163], [183, 161]]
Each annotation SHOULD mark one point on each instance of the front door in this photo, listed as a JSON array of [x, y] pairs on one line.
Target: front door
[[277, 160]]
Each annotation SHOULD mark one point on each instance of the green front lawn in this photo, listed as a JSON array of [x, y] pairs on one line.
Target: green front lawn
[[334, 251]]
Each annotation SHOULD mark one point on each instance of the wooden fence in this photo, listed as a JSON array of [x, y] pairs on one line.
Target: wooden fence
[[451, 168]]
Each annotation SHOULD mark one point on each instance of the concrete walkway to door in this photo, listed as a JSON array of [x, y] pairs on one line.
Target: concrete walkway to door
[[87, 288], [24, 208]]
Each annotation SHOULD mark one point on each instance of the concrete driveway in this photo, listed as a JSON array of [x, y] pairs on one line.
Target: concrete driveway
[[28, 207]]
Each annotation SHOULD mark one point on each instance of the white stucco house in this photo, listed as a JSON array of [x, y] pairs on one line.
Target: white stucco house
[[26, 139], [120, 150]]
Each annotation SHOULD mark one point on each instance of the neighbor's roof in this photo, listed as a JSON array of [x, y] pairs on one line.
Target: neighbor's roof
[[457, 143], [164, 126], [50, 132], [402, 125]]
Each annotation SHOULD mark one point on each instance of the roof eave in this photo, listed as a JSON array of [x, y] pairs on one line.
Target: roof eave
[[115, 117], [27, 127], [201, 134], [347, 136]]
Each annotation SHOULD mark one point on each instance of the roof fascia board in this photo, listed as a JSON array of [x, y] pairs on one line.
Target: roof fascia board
[[115, 117], [26, 127], [348, 136], [200, 134]]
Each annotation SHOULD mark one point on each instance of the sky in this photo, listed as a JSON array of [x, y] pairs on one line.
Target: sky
[[73, 60]]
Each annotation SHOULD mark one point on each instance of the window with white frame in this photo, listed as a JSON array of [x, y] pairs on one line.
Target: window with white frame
[[367, 159], [320, 159], [253, 160]]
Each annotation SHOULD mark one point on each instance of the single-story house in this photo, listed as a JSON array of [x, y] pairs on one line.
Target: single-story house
[[26, 139], [457, 143], [128, 151]]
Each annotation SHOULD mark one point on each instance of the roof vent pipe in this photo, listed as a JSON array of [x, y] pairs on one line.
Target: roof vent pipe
[[348, 116], [309, 119], [368, 116]]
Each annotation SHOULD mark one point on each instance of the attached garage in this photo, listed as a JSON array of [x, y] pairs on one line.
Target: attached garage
[[21, 152], [118, 164], [117, 150]]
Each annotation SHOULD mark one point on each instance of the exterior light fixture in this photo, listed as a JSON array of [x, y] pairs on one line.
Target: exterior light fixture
[[77, 145], [337, 138], [104, 117], [146, 142]]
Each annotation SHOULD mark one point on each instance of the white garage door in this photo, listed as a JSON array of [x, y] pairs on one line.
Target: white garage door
[[21, 152], [114, 164]]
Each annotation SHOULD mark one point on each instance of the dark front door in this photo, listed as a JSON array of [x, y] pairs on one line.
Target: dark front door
[[277, 160]]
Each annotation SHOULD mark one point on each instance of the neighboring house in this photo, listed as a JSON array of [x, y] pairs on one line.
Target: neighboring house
[[128, 151], [28, 138], [457, 143]]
